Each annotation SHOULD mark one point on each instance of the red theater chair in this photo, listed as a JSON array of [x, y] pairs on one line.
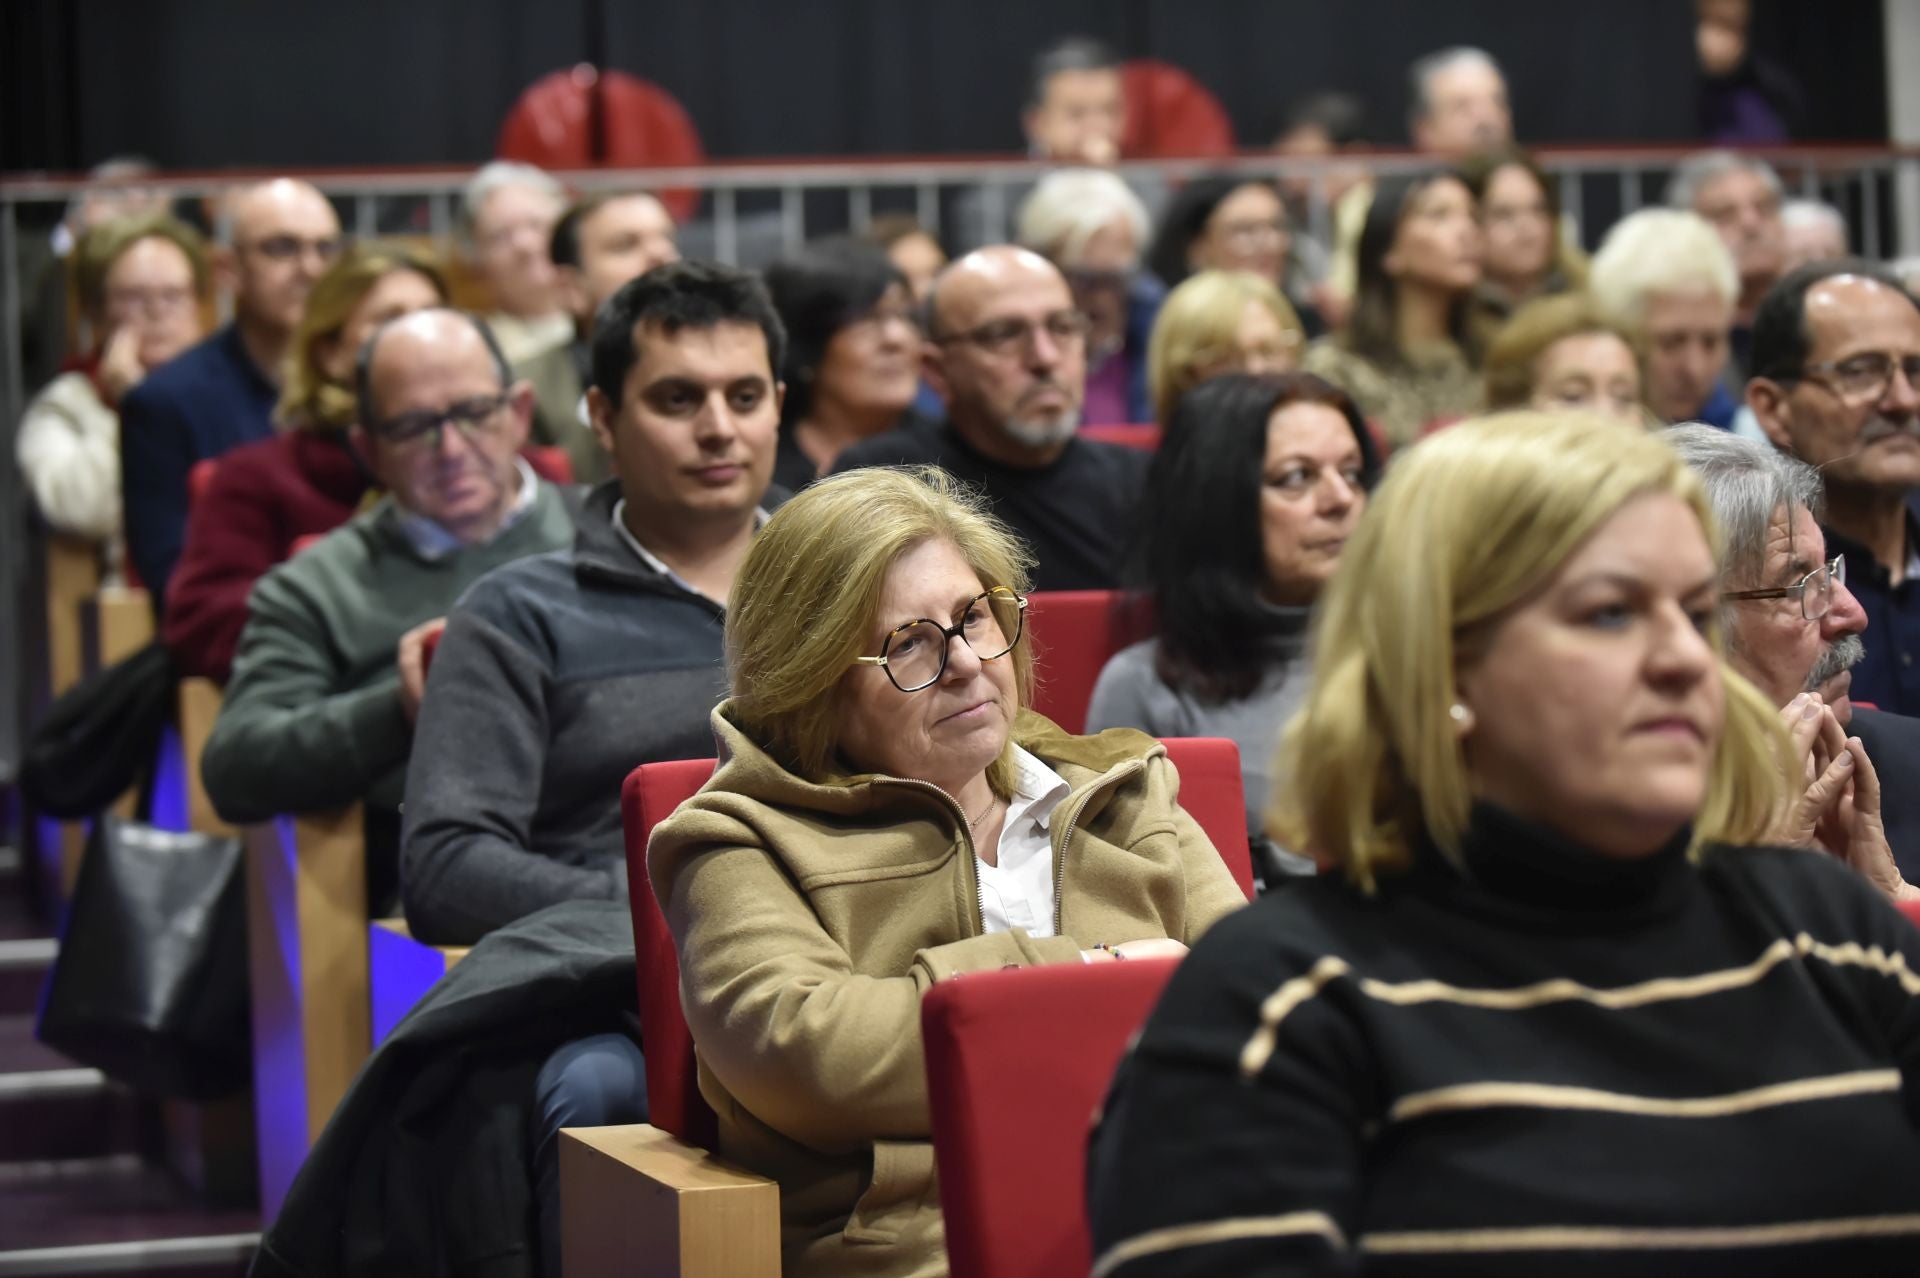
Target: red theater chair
[[1017, 1064], [1144, 437], [1911, 909], [1073, 633]]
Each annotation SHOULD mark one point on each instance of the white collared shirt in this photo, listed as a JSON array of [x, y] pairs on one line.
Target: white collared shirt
[[432, 542], [1020, 891], [654, 561]]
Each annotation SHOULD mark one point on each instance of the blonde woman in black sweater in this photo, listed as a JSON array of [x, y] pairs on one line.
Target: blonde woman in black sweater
[[1549, 1015]]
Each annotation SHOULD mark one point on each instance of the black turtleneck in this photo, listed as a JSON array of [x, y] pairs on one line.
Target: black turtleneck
[[1529, 1059]]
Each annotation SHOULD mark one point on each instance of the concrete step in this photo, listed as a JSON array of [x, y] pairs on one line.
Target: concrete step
[[115, 1215]]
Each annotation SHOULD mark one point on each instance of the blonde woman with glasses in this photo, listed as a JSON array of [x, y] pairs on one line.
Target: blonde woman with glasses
[[1548, 1011], [886, 816]]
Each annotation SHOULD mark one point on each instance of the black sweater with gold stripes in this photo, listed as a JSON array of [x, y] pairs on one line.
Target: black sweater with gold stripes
[[1549, 1062]]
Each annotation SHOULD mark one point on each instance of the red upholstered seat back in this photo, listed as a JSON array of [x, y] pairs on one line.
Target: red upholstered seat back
[[1909, 908], [1213, 793], [1073, 632], [652, 791], [1017, 1064], [549, 462], [579, 118], [1145, 437], [1169, 113], [199, 478]]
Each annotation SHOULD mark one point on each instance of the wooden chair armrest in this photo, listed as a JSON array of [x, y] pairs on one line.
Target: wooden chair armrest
[[635, 1199]]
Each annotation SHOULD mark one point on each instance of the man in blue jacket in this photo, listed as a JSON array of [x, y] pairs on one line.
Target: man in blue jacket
[[220, 394]]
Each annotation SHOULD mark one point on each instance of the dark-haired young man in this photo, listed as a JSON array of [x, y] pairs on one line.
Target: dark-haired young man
[[1836, 354], [598, 244], [577, 666]]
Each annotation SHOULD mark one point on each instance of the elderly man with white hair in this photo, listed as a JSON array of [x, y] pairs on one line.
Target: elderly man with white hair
[[1815, 230], [1093, 227], [507, 215], [1667, 276]]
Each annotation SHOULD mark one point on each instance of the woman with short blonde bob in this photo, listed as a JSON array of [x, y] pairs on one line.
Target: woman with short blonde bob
[[1545, 1013], [1219, 322], [1559, 353], [886, 816]]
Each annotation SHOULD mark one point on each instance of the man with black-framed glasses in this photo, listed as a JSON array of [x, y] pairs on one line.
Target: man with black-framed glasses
[[1007, 349], [1836, 360], [277, 239], [329, 674]]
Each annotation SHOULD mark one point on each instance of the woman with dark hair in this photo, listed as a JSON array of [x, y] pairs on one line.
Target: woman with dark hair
[[853, 353], [1232, 223], [1250, 501], [1526, 254], [1406, 356]]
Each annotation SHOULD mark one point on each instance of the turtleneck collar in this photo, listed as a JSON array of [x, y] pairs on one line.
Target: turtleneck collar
[[1519, 867]]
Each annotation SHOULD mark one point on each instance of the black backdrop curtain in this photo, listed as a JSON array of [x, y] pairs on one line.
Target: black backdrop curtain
[[217, 83]]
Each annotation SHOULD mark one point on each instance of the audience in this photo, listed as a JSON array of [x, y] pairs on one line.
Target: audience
[[1233, 224], [327, 682], [1793, 628], [1007, 350], [1248, 506], [1740, 195], [140, 282], [1814, 231], [577, 666], [597, 245], [852, 364], [912, 249], [507, 216], [1666, 277], [813, 889], [1524, 1012], [1321, 126], [1219, 322], [265, 497], [220, 394], [1560, 353], [1406, 355], [1526, 254], [1836, 383], [1087, 223]]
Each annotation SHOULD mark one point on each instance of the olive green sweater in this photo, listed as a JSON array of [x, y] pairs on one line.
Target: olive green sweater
[[312, 717], [810, 918]]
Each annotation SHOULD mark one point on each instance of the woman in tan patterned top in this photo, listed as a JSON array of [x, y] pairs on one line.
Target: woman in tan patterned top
[[1406, 357]]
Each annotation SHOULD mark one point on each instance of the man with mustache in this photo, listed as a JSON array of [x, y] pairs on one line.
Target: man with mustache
[[1793, 626], [1836, 354], [1007, 349]]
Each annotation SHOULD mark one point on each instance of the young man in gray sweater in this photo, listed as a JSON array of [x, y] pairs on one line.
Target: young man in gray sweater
[[326, 684], [560, 674]]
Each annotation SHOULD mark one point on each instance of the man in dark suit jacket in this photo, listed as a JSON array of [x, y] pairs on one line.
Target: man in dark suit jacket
[[1792, 625], [220, 394]]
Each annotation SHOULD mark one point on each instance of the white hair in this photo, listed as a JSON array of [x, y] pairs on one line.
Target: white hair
[[1070, 206], [1696, 171], [1659, 251], [1421, 74], [496, 175], [1795, 214]]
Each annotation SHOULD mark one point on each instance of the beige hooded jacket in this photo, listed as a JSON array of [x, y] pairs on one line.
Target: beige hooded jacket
[[810, 918]]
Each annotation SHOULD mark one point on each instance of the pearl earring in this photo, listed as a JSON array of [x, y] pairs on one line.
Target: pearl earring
[[1459, 713]]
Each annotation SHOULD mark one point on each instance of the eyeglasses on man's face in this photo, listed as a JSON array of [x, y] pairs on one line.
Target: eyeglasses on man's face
[[286, 248], [915, 655], [422, 431], [1863, 378], [1066, 328], [1814, 591]]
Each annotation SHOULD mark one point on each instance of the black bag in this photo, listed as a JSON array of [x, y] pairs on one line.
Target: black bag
[[100, 737], [150, 985]]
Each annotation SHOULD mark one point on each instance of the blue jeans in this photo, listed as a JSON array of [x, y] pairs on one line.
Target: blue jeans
[[591, 1082]]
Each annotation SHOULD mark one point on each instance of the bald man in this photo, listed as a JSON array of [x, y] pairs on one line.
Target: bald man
[[328, 678], [1008, 351], [221, 393]]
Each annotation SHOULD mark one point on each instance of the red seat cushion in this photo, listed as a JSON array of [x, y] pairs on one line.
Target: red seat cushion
[[1017, 1064]]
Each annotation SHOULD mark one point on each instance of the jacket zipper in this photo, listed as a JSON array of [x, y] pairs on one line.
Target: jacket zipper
[[1112, 778], [966, 832]]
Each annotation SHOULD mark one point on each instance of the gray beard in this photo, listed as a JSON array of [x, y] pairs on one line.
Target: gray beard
[[1046, 431], [1843, 655]]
